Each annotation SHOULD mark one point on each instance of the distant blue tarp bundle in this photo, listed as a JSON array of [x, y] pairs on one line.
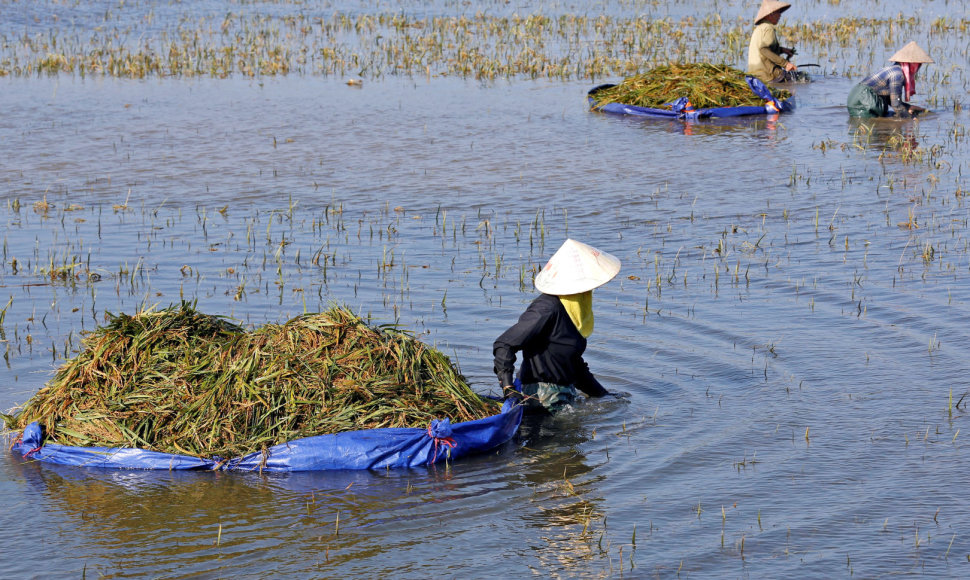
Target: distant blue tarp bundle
[[366, 449], [681, 109]]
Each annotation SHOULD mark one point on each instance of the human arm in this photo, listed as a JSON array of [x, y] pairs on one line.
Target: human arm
[[531, 324], [766, 41], [586, 382], [768, 54], [896, 83], [906, 110]]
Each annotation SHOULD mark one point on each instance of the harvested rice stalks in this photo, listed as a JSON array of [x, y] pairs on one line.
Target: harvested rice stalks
[[179, 381], [704, 85]]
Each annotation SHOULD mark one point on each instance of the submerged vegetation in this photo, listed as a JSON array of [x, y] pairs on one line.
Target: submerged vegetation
[[806, 306], [482, 45], [704, 86], [180, 381]]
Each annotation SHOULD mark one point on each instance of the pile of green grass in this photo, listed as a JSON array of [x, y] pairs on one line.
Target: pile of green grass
[[179, 381], [704, 85]]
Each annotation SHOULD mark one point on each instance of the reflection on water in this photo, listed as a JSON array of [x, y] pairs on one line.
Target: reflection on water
[[214, 522], [883, 133], [207, 522], [758, 127]]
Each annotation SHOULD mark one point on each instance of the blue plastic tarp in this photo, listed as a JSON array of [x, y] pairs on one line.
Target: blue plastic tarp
[[365, 449], [681, 108]]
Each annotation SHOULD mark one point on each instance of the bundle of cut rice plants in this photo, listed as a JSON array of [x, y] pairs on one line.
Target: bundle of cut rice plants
[[179, 381], [704, 85]]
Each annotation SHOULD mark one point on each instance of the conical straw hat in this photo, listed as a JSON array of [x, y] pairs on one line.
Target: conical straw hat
[[769, 6], [911, 53], [575, 268]]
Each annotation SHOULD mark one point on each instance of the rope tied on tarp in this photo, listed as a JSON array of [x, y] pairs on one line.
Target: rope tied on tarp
[[681, 105], [440, 432], [33, 437]]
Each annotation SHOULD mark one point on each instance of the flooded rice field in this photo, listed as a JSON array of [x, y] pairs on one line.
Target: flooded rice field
[[787, 334]]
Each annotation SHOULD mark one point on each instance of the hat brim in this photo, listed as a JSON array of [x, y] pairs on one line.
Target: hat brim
[[576, 268], [767, 10], [912, 52]]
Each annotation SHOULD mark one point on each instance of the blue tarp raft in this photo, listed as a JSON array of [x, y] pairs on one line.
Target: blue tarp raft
[[682, 109], [366, 449]]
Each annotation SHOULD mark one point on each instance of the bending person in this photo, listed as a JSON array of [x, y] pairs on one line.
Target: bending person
[[890, 88], [551, 334], [767, 60]]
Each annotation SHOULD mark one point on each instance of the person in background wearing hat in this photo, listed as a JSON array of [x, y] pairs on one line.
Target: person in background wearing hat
[[892, 87], [552, 332], [765, 60]]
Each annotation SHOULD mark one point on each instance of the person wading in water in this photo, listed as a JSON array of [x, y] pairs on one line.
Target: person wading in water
[[890, 88], [551, 334], [767, 60]]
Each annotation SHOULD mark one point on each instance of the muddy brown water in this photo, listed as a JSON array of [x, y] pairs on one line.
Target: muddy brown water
[[786, 336]]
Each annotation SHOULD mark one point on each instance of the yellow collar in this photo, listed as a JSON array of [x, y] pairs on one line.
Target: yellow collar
[[579, 307]]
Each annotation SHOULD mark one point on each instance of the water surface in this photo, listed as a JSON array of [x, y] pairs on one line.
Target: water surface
[[785, 334]]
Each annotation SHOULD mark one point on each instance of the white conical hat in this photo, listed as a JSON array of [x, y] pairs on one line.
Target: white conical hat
[[911, 53], [575, 268], [769, 6]]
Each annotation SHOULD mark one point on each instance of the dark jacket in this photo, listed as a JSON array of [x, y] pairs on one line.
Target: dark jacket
[[552, 349]]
